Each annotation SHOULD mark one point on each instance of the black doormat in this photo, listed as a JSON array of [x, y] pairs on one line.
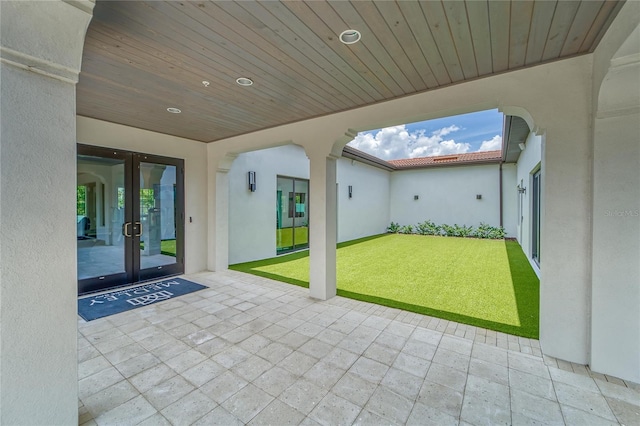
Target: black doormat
[[103, 305]]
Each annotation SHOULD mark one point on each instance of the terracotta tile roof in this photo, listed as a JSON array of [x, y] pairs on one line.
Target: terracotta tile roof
[[411, 163], [473, 157]]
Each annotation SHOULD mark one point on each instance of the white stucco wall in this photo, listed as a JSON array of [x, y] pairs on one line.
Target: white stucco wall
[[615, 312], [528, 163], [367, 212], [446, 195], [252, 218], [100, 133]]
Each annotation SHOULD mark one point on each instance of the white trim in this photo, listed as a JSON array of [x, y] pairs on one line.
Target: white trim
[[625, 61], [40, 66], [618, 112], [84, 5]]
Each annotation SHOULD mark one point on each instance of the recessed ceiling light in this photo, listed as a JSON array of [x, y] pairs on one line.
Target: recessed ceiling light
[[174, 110], [244, 81], [350, 36]]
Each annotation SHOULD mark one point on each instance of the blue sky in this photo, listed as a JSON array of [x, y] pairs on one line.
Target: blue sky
[[478, 131]]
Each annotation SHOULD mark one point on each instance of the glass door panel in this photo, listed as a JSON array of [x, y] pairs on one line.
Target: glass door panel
[[101, 214], [301, 221], [160, 210], [284, 223], [292, 211]]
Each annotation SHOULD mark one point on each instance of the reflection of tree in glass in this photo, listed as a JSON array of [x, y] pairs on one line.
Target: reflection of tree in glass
[[81, 200], [147, 200], [120, 198]]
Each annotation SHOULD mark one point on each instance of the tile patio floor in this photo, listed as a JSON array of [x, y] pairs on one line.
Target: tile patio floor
[[251, 350]]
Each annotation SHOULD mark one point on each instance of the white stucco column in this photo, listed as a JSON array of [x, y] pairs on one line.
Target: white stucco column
[[615, 304], [565, 275], [322, 225], [40, 56], [219, 166]]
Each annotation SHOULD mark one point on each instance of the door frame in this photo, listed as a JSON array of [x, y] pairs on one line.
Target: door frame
[[133, 272], [293, 247], [536, 209]]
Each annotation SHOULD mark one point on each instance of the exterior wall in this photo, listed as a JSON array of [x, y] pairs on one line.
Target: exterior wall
[[367, 212], [509, 200], [252, 222], [447, 195], [100, 133], [528, 163], [252, 218]]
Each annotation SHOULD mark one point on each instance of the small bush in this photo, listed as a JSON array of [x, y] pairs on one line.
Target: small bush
[[428, 228], [462, 231], [490, 232], [497, 233], [448, 230], [406, 229], [393, 228]]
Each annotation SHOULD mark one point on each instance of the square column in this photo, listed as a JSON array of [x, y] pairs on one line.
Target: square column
[[322, 227], [221, 222], [40, 54], [218, 197]]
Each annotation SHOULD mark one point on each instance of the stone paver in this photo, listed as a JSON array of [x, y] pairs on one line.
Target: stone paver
[[249, 350]]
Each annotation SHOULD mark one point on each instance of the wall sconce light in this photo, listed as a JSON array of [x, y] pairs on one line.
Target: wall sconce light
[[521, 145], [252, 181], [350, 191], [521, 189], [415, 197], [478, 196]]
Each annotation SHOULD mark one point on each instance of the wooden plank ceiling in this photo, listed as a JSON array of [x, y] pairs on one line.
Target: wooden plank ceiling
[[142, 57]]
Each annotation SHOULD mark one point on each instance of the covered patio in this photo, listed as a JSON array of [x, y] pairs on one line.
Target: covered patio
[[250, 350], [113, 75]]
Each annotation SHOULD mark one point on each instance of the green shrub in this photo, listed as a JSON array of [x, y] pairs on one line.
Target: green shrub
[[428, 228], [406, 229], [448, 230], [462, 231], [490, 232], [497, 233], [393, 228]]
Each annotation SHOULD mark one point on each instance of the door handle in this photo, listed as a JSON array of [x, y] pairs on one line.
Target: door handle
[[125, 229], [139, 225]]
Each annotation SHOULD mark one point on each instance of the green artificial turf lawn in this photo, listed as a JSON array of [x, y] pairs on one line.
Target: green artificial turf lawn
[[486, 283]]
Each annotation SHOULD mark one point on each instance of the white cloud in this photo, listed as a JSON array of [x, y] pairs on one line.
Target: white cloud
[[446, 130], [396, 142], [493, 144]]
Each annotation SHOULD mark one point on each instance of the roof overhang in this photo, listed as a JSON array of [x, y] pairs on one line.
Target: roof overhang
[[363, 157], [515, 132]]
